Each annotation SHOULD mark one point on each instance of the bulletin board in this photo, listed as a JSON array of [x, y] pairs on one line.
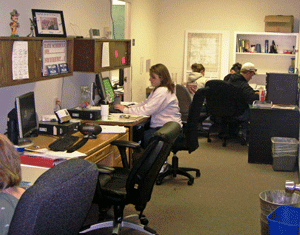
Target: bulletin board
[[210, 48]]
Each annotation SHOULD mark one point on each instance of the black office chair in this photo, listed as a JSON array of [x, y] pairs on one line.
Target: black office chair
[[59, 200], [184, 103], [186, 142], [223, 103], [134, 186]]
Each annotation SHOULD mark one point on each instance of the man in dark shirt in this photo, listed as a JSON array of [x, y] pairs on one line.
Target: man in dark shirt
[[240, 81]]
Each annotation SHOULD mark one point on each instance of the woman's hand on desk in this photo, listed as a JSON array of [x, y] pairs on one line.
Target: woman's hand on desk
[[119, 107]]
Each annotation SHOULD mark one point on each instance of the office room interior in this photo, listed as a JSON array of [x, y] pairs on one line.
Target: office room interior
[[158, 28]]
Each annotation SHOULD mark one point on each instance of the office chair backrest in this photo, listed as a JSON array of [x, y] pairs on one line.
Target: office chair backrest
[[59, 200], [184, 101], [223, 99], [191, 128], [144, 173]]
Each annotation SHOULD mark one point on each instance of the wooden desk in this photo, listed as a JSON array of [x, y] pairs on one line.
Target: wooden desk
[[267, 123], [97, 150], [135, 127]]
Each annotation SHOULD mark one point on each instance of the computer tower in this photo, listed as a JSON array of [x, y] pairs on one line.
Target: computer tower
[[282, 88]]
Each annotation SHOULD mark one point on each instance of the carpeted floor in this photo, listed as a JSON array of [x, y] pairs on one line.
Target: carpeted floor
[[224, 200]]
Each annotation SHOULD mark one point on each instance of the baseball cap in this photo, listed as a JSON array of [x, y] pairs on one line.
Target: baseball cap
[[249, 67]]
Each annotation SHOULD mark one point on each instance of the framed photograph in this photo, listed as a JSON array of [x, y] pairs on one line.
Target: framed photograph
[[48, 23]]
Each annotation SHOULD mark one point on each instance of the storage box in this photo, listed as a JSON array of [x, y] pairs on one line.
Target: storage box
[[284, 153], [279, 23], [284, 220]]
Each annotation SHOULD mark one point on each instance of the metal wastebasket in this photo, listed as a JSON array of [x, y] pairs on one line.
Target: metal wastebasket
[[270, 200]]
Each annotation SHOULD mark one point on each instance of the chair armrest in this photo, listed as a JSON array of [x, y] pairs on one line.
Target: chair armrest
[[105, 169], [122, 145], [126, 143]]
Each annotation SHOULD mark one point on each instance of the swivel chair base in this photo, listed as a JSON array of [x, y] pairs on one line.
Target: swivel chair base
[[175, 170], [125, 223]]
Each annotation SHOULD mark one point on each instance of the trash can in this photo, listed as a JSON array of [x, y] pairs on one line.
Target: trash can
[[270, 200], [284, 152], [284, 220]]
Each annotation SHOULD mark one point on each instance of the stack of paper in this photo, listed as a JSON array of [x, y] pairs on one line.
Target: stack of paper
[[106, 129]]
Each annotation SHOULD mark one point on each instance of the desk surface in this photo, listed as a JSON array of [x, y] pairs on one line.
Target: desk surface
[[91, 146], [96, 150]]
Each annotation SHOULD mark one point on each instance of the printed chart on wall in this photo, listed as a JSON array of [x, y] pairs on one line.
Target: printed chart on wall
[[209, 48]]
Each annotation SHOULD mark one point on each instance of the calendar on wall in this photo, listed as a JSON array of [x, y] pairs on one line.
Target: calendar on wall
[[210, 48]]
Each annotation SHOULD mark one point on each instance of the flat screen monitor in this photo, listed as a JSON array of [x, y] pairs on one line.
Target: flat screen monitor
[[104, 89], [282, 88], [100, 87], [26, 115]]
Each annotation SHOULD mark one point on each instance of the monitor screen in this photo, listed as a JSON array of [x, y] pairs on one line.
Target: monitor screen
[[26, 115], [282, 88], [110, 93], [104, 89]]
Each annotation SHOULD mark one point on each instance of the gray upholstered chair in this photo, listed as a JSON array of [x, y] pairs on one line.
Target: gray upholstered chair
[[59, 200]]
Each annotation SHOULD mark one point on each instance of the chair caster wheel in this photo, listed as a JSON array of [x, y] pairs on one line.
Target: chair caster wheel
[[158, 182], [191, 181], [208, 140], [144, 221], [198, 174]]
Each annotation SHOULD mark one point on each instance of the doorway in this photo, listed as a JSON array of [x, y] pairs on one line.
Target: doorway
[[121, 30]]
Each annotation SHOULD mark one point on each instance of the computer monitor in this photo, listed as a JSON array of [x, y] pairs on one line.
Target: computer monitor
[[104, 89], [282, 88], [26, 115], [100, 87]]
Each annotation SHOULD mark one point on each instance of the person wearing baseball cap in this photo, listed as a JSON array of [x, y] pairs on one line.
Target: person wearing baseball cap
[[248, 95]]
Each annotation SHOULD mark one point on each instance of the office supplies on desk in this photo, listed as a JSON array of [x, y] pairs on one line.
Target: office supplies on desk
[[40, 161], [63, 143]]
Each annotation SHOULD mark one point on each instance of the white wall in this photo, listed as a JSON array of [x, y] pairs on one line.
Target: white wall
[[177, 16], [79, 17], [144, 29]]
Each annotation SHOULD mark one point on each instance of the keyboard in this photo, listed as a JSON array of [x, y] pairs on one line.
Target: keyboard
[[63, 143], [113, 110]]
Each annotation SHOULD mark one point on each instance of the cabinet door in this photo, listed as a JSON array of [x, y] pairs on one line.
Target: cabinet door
[[34, 62], [34, 46], [89, 55]]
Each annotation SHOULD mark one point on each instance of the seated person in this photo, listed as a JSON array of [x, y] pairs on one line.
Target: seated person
[[196, 78], [10, 178], [240, 81], [236, 68], [161, 105]]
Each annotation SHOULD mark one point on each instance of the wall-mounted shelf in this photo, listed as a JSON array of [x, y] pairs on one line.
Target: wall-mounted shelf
[[34, 60], [268, 62], [88, 54]]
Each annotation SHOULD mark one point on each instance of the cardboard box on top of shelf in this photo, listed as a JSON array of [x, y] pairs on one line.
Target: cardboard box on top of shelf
[[279, 23]]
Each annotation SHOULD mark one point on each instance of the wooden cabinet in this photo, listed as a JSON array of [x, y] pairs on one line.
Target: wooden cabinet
[[267, 62], [34, 60], [88, 54]]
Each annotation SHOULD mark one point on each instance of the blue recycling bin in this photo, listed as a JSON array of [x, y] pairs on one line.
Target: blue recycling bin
[[284, 220]]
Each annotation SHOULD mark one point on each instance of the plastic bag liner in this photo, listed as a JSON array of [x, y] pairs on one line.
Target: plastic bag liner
[[270, 200]]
